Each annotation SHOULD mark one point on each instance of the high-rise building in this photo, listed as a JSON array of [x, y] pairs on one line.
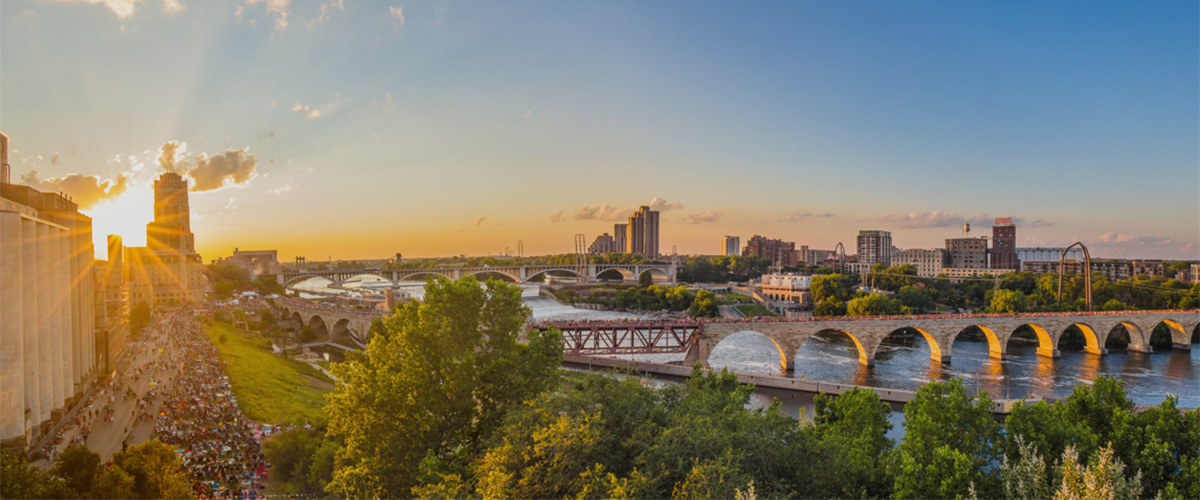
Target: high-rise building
[[731, 245], [643, 233], [620, 237], [875, 247], [966, 253], [4, 168], [1004, 244], [168, 269], [782, 253], [116, 261], [47, 301], [603, 244]]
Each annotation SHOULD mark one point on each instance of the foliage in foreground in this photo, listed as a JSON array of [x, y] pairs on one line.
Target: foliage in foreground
[[147, 470]]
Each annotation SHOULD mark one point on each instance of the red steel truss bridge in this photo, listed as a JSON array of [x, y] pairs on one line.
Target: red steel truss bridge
[[620, 337]]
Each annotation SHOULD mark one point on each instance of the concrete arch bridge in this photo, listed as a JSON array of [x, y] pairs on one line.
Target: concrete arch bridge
[[699, 338], [331, 323], [515, 273]]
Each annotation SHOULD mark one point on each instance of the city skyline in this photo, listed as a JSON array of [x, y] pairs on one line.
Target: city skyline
[[359, 130]]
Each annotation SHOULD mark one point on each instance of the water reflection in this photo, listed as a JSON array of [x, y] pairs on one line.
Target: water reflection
[[903, 362]]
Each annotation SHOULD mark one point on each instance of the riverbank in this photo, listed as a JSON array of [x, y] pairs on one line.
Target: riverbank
[[270, 388]]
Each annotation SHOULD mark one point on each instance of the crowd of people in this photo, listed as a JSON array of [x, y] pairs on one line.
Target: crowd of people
[[201, 418]]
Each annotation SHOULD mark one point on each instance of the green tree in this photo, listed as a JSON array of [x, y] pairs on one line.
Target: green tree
[[645, 279], [836, 287], [704, 305], [829, 307], [1114, 305], [1008, 301], [1102, 479], [874, 304], [916, 299], [139, 318], [435, 382], [854, 427], [20, 479], [948, 443], [155, 469], [78, 466]]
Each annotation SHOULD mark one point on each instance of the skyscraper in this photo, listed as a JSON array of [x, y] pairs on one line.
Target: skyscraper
[[620, 237], [643, 233], [782, 253], [168, 269], [875, 247], [731, 245], [1004, 244], [116, 261], [171, 228]]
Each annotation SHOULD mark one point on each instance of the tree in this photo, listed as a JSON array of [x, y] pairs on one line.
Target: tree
[[1008, 301], [854, 426], [917, 300], [948, 443], [704, 305], [1102, 479], [829, 307], [78, 466], [645, 279], [139, 318], [155, 469], [20, 479], [1114, 305], [434, 384], [874, 304], [831, 286]]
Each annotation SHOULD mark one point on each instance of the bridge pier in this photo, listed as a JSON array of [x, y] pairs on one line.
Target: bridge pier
[[1146, 349], [1179, 346], [1049, 353]]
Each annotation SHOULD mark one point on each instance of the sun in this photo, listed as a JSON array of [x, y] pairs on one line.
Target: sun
[[125, 216]]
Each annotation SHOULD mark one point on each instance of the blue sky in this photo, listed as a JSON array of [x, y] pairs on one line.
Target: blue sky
[[360, 129]]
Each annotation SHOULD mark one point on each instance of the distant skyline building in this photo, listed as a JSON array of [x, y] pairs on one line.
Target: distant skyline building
[[643, 233], [1004, 244], [875, 247], [116, 261], [168, 269], [620, 237], [928, 261], [731, 245], [602, 244], [782, 253], [966, 253]]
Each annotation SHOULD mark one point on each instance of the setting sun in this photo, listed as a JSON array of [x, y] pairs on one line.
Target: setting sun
[[125, 216]]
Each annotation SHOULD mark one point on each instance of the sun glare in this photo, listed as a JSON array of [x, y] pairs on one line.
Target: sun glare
[[125, 216]]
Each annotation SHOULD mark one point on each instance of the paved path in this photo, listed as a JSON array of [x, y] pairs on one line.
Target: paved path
[[152, 356]]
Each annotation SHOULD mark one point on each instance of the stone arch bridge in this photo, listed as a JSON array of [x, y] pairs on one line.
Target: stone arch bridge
[[515, 273], [699, 338], [332, 323]]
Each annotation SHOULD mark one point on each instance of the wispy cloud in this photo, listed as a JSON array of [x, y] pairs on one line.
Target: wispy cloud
[[936, 218], [528, 112], [326, 11], [704, 217], [280, 189], [479, 221], [172, 6], [280, 8], [124, 9], [398, 13], [557, 216], [608, 212], [1041, 223], [314, 112], [800, 216], [1112, 238]]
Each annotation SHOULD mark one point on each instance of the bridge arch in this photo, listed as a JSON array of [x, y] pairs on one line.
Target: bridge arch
[[1180, 337], [783, 357], [996, 348], [318, 326], [935, 350], [1047, 344], [297, 318], [1091, 338], [510, 276], [306, 277], [341, 329], [864, 357], [656, 274], [427, 274], [1137, 338], [544, 274], [623, 274], [373, 275]]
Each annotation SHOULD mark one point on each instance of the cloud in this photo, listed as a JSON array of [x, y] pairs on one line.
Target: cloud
[[661, 205], [557, 216], [172, 6], [281, 189], [169, 153], [398, 13], [232, 168], [937, 218], [268, 134], [279, 8], [1041, 223], [1189, 249], [326, 10], [528, 112], [85, 190], [1112, 238], [608, 212], [54, 158], [122, 8], [479, 221], [800, 216], [603, 212], [703, 217], [314, 112]]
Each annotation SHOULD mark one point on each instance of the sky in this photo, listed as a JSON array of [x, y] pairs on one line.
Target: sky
[[352, 129]]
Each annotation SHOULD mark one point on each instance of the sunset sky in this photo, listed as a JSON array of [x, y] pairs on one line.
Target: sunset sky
[[358, 129]]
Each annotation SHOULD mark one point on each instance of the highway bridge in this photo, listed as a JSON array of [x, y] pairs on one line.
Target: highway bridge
[[513, 273]]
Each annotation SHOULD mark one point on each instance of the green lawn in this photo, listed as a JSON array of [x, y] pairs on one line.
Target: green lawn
[[270, 388], [752, 310]]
